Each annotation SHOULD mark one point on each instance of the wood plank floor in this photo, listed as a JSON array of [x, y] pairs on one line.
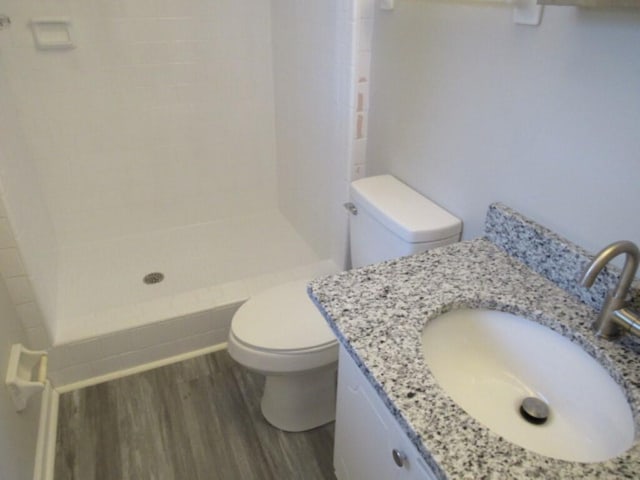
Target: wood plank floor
[[198, 419]]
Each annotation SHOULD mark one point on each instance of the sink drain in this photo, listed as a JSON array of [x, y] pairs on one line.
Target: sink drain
[[534, 410], [153, 277]]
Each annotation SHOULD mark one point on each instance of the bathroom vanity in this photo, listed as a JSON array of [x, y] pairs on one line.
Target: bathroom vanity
[[394, 420], [381, 448]]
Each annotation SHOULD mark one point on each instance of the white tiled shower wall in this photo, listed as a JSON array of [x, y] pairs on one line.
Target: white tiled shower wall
[[108, 124], [360, 26], [161, 115], [18, 432], [28, 247], [149, 85], [321, 54]]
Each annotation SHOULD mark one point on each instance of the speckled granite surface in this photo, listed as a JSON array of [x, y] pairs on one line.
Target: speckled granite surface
[[549, 254], [378, 313]]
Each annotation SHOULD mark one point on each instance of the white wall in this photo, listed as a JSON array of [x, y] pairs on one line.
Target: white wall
[[311, 104], [162, 115], [31, 271], [469, 108], [18, 431]]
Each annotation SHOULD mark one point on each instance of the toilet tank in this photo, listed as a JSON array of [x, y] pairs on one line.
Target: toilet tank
[[393, 220]]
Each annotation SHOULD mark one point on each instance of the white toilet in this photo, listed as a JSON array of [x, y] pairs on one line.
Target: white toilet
[[282, 335]]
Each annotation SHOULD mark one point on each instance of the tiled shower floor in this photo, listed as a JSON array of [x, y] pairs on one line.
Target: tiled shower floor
[[198, 419], [236, 254]]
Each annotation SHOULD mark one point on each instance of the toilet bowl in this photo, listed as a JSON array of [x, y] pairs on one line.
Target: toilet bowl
[[280, 334]]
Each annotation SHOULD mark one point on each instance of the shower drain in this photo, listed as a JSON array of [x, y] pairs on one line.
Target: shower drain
[[153, 277]]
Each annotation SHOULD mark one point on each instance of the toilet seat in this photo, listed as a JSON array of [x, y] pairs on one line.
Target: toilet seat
[[282, 319], [281, 331], [283, 362]]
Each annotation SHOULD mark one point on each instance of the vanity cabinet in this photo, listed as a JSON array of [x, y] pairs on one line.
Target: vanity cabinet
[[369, 443]]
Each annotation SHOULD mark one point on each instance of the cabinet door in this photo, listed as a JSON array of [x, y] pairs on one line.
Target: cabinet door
[[361, 436], [367, 434], [414, 467]]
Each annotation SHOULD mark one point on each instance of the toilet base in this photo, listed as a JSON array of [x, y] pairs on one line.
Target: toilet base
[[295, 403]]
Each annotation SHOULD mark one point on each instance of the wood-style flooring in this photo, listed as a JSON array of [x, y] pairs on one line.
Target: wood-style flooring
[[195, 420]]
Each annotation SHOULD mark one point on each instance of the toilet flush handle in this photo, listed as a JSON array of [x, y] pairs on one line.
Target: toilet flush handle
[[353, 210]]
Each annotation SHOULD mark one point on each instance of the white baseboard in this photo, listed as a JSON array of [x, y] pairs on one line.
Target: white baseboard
[[46, 446], [139, 368], [47, 426]]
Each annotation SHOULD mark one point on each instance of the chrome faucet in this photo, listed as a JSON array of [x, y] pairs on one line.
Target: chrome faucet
[[616, 318]]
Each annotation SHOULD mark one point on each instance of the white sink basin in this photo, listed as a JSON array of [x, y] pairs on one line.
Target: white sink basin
[[489, 361]]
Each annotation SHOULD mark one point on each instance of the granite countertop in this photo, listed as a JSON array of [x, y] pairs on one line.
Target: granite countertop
[[378, 313]]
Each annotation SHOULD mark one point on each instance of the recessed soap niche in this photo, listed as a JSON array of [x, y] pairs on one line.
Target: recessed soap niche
[[52, 33]]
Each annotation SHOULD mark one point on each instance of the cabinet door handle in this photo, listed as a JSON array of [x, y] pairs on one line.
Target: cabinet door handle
[[399, 457]]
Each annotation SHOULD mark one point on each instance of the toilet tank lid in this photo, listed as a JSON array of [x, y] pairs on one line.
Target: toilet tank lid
[[405, 212]]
